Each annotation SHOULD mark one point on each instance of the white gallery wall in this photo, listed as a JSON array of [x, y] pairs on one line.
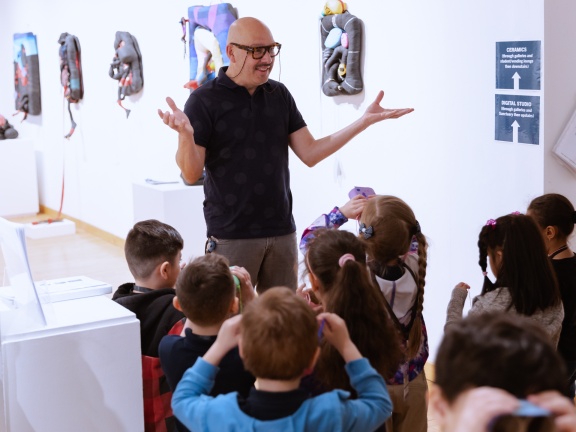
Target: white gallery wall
[[438, 57]]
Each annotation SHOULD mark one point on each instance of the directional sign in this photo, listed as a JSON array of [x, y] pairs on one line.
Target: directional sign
[[518, 65], [518, 118]]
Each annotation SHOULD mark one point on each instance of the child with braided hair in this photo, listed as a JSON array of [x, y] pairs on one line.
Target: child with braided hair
[[396, 253], [525, 281]]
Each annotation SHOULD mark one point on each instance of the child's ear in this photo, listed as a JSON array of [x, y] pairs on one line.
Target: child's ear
[[234, 306], [176, 304], [498, 255], [313, 280], [439, 406], [315, 358], [550, 232], [310, 368], [240, 347], [165, 270]]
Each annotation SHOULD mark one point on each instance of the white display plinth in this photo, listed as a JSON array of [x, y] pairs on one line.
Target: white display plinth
[[18, 178], [177, 205], [53, 229], [82, 372]]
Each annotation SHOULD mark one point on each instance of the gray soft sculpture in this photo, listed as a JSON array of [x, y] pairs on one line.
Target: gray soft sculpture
[[126, 66], [7, 131], [333, 84]]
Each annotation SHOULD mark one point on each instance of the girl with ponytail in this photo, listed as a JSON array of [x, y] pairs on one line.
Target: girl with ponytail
[[555, 216], [396, 252], [336, 266]]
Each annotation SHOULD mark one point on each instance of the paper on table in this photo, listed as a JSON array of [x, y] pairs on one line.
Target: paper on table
[[26, 309]]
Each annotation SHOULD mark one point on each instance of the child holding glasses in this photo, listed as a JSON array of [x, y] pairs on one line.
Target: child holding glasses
[[278, 341]]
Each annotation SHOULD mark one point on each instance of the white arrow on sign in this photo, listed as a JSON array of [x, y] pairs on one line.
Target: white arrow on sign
[[516, 79], [515, 127]]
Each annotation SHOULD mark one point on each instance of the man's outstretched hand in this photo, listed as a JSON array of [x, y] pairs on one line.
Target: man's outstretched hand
[[375, 113], [177, 120]]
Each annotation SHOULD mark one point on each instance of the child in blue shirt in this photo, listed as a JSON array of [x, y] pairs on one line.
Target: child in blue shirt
[[277, 337]]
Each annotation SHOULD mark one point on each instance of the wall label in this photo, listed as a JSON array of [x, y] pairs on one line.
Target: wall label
[[518, 118], [518, 65]]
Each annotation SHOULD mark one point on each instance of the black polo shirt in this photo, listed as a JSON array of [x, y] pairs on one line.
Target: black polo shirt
[[247, 183]]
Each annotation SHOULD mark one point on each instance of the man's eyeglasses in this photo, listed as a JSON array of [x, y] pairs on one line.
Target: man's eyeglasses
[[260, 51]]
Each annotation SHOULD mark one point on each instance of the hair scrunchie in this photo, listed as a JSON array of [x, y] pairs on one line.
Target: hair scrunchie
[[344, 258]]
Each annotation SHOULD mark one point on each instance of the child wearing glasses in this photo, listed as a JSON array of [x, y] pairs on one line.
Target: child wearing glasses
[[396, 255], [277, 337], [336, 267]]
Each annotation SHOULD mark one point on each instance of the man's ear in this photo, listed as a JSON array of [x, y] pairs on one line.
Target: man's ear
[[176, 304], [230, 52]]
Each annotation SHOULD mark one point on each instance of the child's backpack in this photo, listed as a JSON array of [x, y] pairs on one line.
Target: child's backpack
[[71, 73], [26, 74], [126, 67]]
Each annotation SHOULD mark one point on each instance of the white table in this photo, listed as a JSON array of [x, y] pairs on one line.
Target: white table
[[82, 372]]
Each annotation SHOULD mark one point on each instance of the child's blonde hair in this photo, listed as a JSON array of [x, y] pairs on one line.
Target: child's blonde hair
[[391, 227]]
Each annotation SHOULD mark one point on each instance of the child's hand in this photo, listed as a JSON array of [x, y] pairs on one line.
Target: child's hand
[[562, 408], [463, 285], [336, 333], [474, 409], [354, 208], [308, 295], [247, 293], [226, 340]]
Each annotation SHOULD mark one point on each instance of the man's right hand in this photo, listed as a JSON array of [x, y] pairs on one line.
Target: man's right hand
[[177, 120]]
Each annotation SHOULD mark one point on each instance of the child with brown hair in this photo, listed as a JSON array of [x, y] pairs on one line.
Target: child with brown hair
[[336, 265], [278, 341], [207, 295], [499, 372], [555, 216], [153, 250], [396, 252]]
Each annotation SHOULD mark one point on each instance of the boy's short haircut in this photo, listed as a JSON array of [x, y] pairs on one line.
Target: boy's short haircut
[[279, 335], [150, 243], [205, 289], [498, 350]]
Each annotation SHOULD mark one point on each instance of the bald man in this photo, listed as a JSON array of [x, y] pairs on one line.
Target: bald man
[[238, 127]]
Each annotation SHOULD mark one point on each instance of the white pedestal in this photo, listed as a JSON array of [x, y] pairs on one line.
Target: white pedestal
[[18, 178], [177, 205], [53, 229], [80, 373]]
